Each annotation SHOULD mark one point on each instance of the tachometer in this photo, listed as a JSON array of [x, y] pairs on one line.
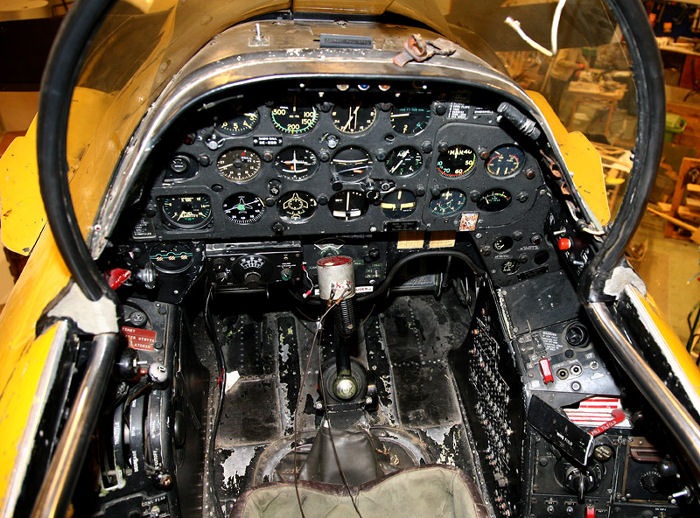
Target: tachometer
[[403, 161], [351, 163], [188, 211], [296, 162], [347, 205], [239, 164], [293, 119], [399, 204], [449, 202], [172, 257], [244, 208], [505, 161], [354, 118], [494, 200], [410, 119], [456, 161], [240, 124], [297, 206]]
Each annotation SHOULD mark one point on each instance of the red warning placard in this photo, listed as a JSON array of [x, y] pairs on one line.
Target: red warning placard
[[140, 339]]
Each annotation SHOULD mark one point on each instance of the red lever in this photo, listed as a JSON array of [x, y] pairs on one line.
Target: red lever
[[590, 512], [546, 370], [117, 277]]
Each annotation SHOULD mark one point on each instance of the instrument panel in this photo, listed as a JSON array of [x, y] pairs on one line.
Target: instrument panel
[[331, 159]]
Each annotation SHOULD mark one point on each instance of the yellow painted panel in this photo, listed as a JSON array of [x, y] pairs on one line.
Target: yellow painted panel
[[23, 214], [582, 160], [23, 364]]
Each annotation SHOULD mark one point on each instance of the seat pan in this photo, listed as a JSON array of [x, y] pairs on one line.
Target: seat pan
[[431, 491]]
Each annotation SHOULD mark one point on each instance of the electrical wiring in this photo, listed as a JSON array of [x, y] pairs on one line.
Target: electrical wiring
[[315, 342], [515, 25]]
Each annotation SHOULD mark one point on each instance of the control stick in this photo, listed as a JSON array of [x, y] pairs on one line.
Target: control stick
[[336, 283]]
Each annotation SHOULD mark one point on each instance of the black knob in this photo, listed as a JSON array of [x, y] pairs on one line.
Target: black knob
[[252, 279]]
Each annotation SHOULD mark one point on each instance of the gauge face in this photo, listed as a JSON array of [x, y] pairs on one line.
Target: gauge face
[[296, 162], [180, 167], [494, 200], [351, 163], [244, 208], [240, 124], [297, 206], [448, 203], [505, 161], [399, 204], [354, 118], [403, 161], [510, 266], [189, 211], [410, 119], [347, 205], [239, 164], [457, 161], [293, 119], [172, 257]]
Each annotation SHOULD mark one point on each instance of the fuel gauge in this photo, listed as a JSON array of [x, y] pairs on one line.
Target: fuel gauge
[[505, 161], [172, 257]]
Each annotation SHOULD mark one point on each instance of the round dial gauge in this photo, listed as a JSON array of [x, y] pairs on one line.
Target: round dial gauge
[[293, 119], [403, 161], [505, 161], [456, 161], [410, 119], [347, 205], [239, 164], [296, 162], [297, 206], [399, 204], [494, 200], [244, 208], [353, 118], [351, 163], [172, 257], [240, 124], [188, 211], [448, 203]]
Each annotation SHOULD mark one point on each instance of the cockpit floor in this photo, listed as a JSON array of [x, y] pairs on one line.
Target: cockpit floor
[[406, 350]]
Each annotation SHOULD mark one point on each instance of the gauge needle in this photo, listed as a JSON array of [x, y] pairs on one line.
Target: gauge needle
[[347, 203], [352, 116], [393, 169]]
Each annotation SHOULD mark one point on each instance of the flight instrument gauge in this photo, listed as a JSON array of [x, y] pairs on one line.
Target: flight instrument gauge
[[347, 205], [410, 119], [403, 161], [505, 161], [240, 124], [297, 206], [293, 119], [449, 202], [296, 162], [494, 200], [351, 163], [171, 257], [187, 211], [354, 118], [244, 208], [456, 161], [239, 164], [399, 204]]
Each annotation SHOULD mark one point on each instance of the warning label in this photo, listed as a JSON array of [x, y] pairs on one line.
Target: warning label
[[140, 339]]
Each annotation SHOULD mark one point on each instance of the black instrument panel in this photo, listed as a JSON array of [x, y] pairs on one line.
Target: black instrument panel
[[326, 161]]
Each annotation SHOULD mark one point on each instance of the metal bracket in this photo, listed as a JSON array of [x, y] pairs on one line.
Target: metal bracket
[[416, 49]]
